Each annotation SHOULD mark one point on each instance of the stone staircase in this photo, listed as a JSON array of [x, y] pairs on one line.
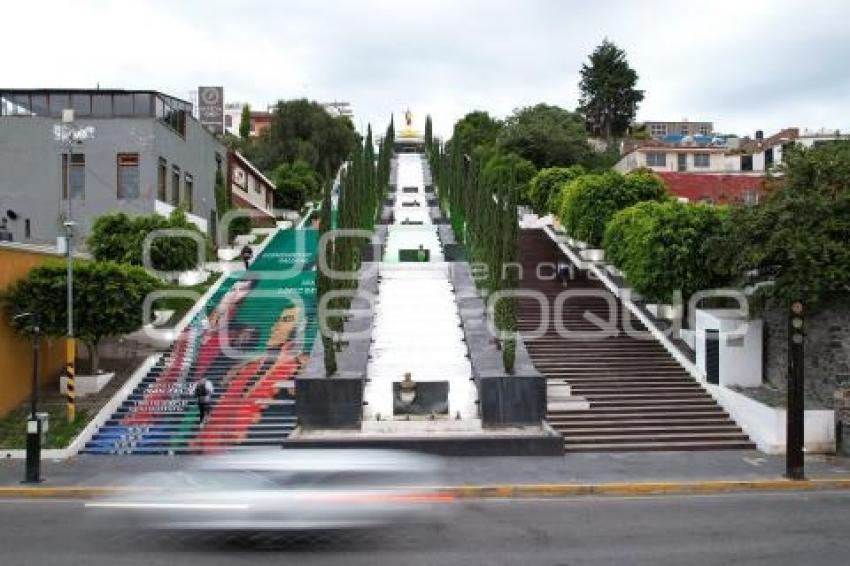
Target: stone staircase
[[612, 392], [250, 339]]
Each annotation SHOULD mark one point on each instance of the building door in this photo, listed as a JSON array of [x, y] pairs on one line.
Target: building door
[[683, 162], [712, 356]]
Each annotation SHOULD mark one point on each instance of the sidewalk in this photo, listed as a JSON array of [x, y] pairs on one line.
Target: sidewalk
[[574, 469]]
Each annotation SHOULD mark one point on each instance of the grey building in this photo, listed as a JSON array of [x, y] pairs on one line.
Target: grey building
[[147, 154]]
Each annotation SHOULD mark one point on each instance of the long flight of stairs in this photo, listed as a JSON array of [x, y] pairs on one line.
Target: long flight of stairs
[[639, 397], [253, 404]]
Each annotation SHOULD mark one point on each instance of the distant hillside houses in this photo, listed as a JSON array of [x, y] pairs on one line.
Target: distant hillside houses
[[706, 167]]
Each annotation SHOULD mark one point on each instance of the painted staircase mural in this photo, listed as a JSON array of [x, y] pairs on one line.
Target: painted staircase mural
[[250, 339]]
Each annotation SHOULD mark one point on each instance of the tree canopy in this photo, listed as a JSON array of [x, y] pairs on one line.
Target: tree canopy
[[590, 201], [295, 184], [108, 300], [800, 233], [302, 130], [120, 238], [662, 247], [545, 188], [245, 121], [475, 130], [548, 136], [609, 99]]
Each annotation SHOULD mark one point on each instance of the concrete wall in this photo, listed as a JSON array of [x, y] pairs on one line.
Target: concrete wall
[[15, 352], [31, 165]]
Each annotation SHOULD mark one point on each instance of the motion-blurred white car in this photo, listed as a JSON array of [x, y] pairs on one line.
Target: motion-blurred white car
[[281, 490]]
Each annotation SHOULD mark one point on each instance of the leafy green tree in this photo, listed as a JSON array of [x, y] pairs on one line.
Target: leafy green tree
[[120, 238], [512, 169], [800, 233], [429, 134], [475, 130], [108, 300], [590, 201], [295, 184], [324, 284], [548, 136], [302, 130], [663, 247], [609, 99], [546, 186], [245, 122]]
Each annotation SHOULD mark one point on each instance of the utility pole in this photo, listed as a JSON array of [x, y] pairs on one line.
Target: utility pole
[[794, 464]]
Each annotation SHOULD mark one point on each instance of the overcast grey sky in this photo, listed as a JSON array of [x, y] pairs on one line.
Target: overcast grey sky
[[745, 64]]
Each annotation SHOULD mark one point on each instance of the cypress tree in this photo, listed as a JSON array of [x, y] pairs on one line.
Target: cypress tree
[[323, 283]]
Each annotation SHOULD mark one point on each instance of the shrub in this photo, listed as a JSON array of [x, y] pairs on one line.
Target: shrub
[[662, 247], [108, 299], [545, 188], [120, 238], [590, 201]]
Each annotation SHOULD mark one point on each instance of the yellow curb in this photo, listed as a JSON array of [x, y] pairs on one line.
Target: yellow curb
[[80, 492], [505, 491], [645, 488]]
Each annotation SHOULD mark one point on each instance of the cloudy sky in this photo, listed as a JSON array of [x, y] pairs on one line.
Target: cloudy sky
[[745, 64]]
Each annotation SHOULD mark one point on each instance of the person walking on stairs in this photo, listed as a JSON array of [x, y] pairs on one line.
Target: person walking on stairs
[[247, 254], [204, 390]]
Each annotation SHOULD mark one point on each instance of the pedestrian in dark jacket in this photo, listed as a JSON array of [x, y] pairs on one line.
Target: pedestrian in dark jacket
[[247, 253], [204, 390]]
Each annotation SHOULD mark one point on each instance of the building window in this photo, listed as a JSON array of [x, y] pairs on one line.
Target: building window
[[684, 130], [128, 175], [751, 198], [27, 229], [702, 160], [175, 186], [658, 130], [746, 163], [162, 180], [768, 158], [171, 115], [76, 176], [189, 190], [656, 159], [705, 130]]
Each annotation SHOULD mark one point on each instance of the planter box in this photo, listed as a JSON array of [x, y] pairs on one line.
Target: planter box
[[739, 357], [664, 311], [613, 270], [228, 254], [594, 255], [86, 384], [688, 337]]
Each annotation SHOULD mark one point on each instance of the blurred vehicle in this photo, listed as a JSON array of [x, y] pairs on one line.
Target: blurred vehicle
[[282, 490]]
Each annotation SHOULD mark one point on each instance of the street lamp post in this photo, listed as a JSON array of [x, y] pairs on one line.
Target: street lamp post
[[32, 473], [70, 346]]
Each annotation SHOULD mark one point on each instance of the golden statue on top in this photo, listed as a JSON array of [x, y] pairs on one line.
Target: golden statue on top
[[409, 131]]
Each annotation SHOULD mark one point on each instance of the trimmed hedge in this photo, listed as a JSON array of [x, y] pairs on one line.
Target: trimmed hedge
[[590, 201], [662, 247], [544, 190]]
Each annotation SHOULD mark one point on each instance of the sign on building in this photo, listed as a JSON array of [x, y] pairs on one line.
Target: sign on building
[[211, 108]]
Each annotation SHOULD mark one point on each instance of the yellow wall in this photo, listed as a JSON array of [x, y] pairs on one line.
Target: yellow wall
[[16, 352]]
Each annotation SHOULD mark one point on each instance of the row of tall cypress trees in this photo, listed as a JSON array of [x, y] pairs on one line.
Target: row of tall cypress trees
[[363, 183], [483, 216]]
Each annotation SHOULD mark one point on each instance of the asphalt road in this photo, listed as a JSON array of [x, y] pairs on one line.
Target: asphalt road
[[776, 529]]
